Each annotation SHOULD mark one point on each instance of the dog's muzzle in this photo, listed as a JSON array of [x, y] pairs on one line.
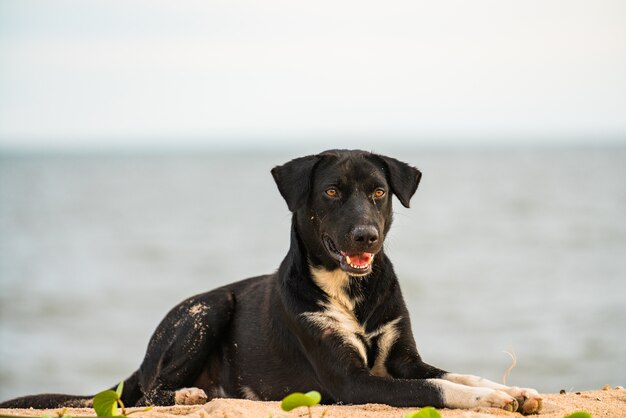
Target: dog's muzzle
[[352, 262]]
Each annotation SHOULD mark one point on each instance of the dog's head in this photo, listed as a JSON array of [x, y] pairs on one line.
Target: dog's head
[[342, 204]]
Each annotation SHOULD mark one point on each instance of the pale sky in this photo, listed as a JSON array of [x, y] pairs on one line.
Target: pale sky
[[90, 73]]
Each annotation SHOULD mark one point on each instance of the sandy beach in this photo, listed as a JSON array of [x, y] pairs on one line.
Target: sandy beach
[[608, 402]]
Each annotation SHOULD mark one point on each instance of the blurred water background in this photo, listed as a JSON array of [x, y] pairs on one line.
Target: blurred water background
[[515, 249]]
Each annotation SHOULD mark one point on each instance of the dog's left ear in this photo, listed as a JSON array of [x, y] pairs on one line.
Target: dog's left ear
[[294, 180], [402, 177]]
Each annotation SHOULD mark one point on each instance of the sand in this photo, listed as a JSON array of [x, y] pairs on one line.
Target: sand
[[609, 402]]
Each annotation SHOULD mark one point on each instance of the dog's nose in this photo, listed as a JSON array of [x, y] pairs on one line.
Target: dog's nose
[[365, 235]]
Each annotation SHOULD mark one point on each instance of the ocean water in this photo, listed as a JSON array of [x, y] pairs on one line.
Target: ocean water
[[519, 250]]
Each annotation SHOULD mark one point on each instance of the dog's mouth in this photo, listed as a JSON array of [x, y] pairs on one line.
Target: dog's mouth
[[355, 264]]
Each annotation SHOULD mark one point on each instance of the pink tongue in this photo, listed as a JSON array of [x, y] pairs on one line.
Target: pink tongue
[[359, 260]]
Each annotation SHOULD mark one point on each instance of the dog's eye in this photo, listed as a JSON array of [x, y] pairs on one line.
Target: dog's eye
[[378, 193], [331, 192]]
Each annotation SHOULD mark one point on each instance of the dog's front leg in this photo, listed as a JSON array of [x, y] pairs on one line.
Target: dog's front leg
[[363, 387], [404, 362], [453, 394], [530, 401], [343, 372]]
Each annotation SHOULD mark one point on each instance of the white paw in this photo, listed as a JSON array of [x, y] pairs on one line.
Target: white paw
[[498, 399], [530, 401], [190, 396]]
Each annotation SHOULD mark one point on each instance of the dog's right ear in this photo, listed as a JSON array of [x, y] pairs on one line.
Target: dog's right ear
[[294, 180]]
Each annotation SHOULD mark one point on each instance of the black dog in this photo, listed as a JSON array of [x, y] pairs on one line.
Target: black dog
[[333, 311]]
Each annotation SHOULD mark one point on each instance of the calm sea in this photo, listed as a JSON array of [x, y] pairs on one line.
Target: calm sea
[[503, 250]]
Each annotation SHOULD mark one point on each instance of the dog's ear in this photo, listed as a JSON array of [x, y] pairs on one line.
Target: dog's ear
[[294, 180], [402, 177]]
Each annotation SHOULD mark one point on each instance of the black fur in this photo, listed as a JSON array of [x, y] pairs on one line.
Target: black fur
[[253, 336]]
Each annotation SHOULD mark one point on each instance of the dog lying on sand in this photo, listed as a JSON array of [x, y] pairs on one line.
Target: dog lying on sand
[[333, 311]]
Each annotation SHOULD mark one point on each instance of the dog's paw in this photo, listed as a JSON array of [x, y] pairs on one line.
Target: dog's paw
[[530, 401], [190, 396], [498, 399], [531, 406]]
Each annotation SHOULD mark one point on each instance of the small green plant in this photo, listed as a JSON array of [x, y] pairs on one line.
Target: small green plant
[[426, 412], [297, 400], [108, 403], [579, 414]]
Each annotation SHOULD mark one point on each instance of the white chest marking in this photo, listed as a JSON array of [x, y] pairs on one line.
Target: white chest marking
[[338, 317]]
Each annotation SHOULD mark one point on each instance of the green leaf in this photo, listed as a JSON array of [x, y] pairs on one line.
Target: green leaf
[[580, 414], [426, 412], [315, 396], [120, 389], [298, 399], [105, 403]]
